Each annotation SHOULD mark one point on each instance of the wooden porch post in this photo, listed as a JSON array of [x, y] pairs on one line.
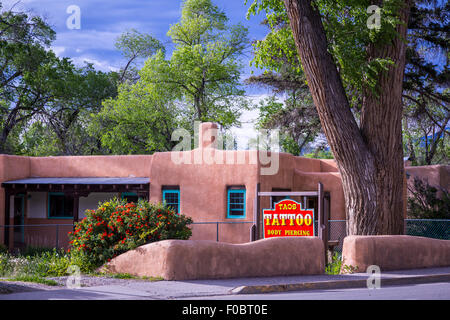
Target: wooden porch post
[[76, 206], [256, 213], [7, 217], [321, 223]]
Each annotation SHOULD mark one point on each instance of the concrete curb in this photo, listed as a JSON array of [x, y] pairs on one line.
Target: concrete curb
[[339, 284]]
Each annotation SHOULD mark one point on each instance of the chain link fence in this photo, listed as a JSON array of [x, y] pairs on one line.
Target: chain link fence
[[429, 228], [55, 235]]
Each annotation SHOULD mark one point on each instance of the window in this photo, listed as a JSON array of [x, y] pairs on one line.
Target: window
[[171, 197], [130, 197], [276, 199], [236, 203], [60, 206]]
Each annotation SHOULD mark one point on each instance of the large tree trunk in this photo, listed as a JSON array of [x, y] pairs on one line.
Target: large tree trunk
[[370, 158]]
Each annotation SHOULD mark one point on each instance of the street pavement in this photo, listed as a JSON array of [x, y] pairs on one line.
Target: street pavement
[[233, 289]]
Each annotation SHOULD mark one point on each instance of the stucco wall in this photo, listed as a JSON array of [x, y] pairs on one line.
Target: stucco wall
[[91, 166], [395, 252], [214, 260], [435, 175], [11, 167], [203, 190]]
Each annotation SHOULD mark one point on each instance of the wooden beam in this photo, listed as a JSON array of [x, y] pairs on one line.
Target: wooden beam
[[288, 193]]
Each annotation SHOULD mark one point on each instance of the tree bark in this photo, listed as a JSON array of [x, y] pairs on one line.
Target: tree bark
[[370, 158]]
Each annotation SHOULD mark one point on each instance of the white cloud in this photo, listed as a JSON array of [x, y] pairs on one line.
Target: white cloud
[[87, 39], [58, 50], [101, 65], [248, 119]]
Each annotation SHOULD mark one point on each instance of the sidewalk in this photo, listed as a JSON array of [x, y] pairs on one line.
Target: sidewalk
[[138, 290]]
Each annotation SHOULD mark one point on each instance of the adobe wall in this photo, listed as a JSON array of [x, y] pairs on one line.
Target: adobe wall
[[304, 174], [203, 189], [11, 167], [18, 167], [395, 252], [435, 175], [91, 166], [216, 260]]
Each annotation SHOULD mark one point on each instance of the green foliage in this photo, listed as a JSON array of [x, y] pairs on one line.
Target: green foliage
[[319, 154], [345, 23], [34, 264], [425, 203], [136, 46], [204, 65], [335, 266], [141, 119], [34, 279], [38, 140], [116, 227], [200, 81]]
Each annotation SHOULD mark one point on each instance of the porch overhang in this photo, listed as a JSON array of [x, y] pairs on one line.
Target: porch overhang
[[81, 186]]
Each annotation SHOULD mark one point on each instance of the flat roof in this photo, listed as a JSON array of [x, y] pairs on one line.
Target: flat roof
[[82, 181]]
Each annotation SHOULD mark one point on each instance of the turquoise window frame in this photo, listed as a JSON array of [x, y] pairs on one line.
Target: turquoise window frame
[[177, 191], [48, 205], [229, 210]]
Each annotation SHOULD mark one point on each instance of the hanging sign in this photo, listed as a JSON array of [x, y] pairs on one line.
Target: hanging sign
[[288, 219]]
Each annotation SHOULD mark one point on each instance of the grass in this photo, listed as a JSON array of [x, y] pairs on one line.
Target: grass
[[34, 279], [335, 267], [36, 264], [130, 276]]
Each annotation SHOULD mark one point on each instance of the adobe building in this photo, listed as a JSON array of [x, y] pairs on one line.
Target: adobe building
[[45, 195]]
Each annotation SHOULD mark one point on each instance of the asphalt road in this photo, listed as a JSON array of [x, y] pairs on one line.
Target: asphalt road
[[428, 291]]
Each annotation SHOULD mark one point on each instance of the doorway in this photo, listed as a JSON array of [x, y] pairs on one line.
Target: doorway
[[19, 209]]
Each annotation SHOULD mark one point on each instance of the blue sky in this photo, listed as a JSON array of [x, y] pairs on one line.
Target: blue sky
[[102, 21]]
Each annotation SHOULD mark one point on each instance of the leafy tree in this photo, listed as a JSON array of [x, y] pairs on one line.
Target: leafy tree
[[426, 95], [141, 119], [200, 81], [38, 140], [28, 73], [69, 116], [425, 203], [135, 47], [350, 66], [205, 63], [424, 141]]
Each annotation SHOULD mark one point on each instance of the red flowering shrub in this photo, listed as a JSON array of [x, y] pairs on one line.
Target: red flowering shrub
[[116, 227]]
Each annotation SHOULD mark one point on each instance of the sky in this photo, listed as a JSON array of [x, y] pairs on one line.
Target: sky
[[102, 21]]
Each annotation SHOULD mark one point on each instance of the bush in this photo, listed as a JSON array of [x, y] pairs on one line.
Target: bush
[[116, 227], [425, 203]]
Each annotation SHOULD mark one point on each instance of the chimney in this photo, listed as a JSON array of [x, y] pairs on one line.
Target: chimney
[[207, 136]]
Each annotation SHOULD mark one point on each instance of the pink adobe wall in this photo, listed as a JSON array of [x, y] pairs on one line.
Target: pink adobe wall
[[304, 174], [218, 260], [11, 168], [395, 252], [435, 175], [91, 166], [203, 191]]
